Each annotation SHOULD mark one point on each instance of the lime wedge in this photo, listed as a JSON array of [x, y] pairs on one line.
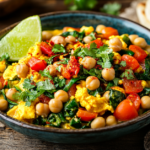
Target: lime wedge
[[17, 42]]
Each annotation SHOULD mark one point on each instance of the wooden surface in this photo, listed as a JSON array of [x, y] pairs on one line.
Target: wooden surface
[[11, 140]]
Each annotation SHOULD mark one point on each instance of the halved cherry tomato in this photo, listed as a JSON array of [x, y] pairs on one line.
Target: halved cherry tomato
[[3, 81], [139, 53], [98, 42], [46, 49], [85, 115], [135, 99], [132, 86], [125, 111], [44, 99], [108, 31], [37, 64], [69, 29], [131, 62]]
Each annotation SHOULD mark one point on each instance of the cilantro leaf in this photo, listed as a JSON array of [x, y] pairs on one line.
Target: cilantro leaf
[[111, 8], [59, 68], [45, 85], [59, 83], [4, 57], [49, 61], [92, 34], [63, 61], [123, 63], [58, 49], [27, 84], [116, 80], [128, 74], [45, 73]]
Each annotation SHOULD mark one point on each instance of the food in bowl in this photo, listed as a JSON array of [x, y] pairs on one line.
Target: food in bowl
[[78, 78]]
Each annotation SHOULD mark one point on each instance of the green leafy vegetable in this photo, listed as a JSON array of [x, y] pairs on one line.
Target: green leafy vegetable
[[92, 34], [115, 97], [129, 52], [76, 122], [116, 80], [146, 91], [63, 61], [40, 121], [123, 63], [129, 74], [70, 108], [59, 83], [111, 8], [27, 84], [46, 73], [95, 92], [4, 57], [50, 60], [126, 40], [58, 49], [109, 85], [59, 68]]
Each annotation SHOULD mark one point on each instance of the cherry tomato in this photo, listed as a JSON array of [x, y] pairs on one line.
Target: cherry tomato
[[139, 53], [132, 86], [131, 62], [108, 31], [98, 42], [44, 99], [68, 29], [37, 64], [46, 49], [125, 111], [135, 99], [85, 115]]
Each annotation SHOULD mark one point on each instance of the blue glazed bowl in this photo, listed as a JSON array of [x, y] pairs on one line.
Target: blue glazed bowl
[[56, 135]]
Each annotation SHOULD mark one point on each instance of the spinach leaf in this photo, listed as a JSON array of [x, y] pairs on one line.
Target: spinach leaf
[[146, 91], [109, 85], [70, 108], [95, 92], [40, 121], [76, 122], [115, 97]]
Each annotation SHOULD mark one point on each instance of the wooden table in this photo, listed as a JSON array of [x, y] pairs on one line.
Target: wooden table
[[11, 140]]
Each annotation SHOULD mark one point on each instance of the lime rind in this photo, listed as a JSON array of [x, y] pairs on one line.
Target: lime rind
[[17, 42]]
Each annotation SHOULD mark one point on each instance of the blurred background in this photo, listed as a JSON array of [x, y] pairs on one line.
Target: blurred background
[[12, 11]]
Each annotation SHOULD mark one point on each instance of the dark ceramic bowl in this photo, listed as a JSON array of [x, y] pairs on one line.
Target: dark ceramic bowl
[[56, 135]]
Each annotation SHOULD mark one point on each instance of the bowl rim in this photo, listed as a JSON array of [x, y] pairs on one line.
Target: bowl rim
[[4, 116]]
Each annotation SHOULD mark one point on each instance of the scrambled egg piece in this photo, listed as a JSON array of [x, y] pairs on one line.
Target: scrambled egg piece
[[10, 72], [87, 30], [78, 44], [124, 45], [22, 112], [2, 66], [116, 58], [94, 104]]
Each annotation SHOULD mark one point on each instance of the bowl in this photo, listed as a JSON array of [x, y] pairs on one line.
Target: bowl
[[56, 135]]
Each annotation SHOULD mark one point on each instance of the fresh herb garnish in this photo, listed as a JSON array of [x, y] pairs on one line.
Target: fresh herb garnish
[[116, 80], [64, 61], [45, 73], [128, 73], [27, 84], [58, 49], [59, 83], [4, 57], [49, 61], [123, 63]]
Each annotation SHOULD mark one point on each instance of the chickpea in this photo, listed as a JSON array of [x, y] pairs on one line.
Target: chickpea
[[58, 40], [10, 93], [87, 39], [42, 109], [99, 28], [70, 39], [22, 70], [111, 120], [88, 62], [55, 105], [46, 35], [106, 95], [108, 74], [92, 83], [3, 104], [98, 123], [61, 96], [52, 70], [147, 48], [145, 102], [140, 42], [133, 37], [115, 44]]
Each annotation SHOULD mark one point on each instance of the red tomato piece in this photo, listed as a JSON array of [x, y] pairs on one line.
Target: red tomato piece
[[125, 111], [139, 53], [46, 49], [108, 31], [98, 42], [131, 62], [65, 29], [132, 86], [37, 64], [44, 99], [85, 115], [3, 81], [135, 99], [71, 69]]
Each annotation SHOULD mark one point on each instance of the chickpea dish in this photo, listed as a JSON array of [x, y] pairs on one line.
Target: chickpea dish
[[78, 78]]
